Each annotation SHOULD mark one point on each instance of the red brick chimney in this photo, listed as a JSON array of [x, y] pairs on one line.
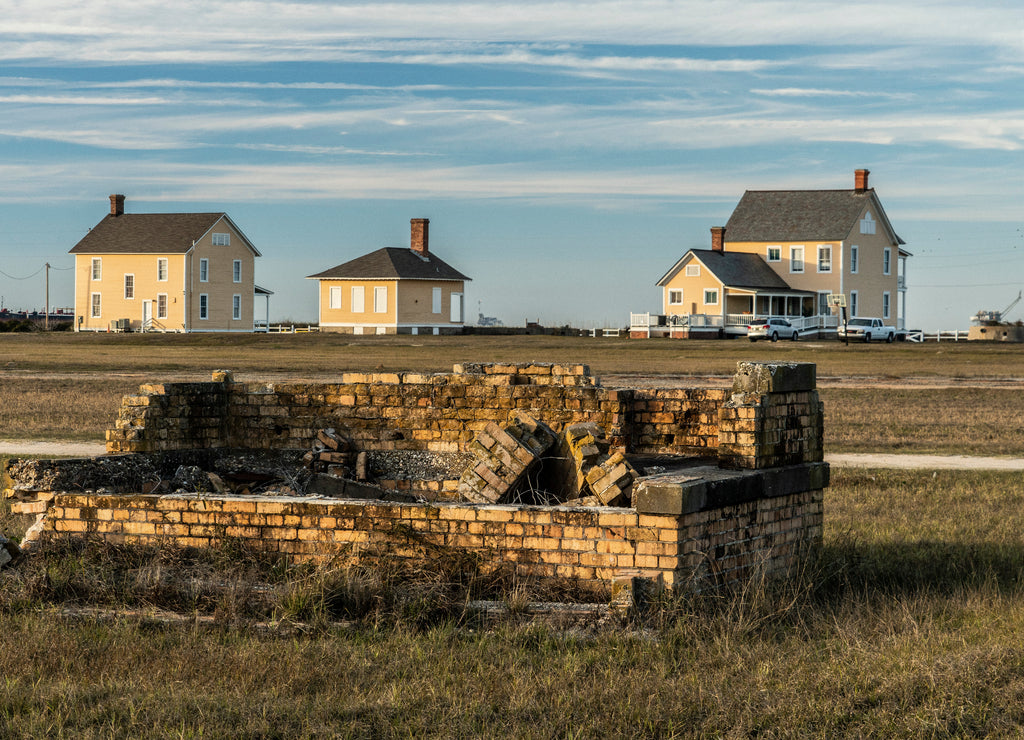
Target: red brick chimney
[[860, 180], [420, 235], [718, 238], [116, 205]]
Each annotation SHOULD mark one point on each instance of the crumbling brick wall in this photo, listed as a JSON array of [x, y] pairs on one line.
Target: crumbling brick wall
[[776, 420], [598, 546]]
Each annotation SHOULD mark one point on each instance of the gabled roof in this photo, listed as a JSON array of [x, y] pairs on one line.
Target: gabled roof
[[795, 215], [392, 263], [733, 270], [152, 233]]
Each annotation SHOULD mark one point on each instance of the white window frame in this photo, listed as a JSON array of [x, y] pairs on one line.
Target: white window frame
[[334, 296], [886, 304], [675, 297], [887, 261], [236, 307], [867, 224], [95, 305], [129, 286], [204, 270], [96, 268], [161, 269], [380, 299], [457, 312], [823, 306], [713, 293], [794, 261], [693, 270], [204, 306], [824, 258], [221, 239], [358, 299], [161, 305], [236, 271], [854, 300], [435, 300], [854, 259], [774, 253]]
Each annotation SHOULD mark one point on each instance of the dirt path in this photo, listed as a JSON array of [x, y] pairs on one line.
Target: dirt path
[[838, 460]]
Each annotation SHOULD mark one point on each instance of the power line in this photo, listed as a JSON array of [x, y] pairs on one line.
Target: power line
[[12, 277]]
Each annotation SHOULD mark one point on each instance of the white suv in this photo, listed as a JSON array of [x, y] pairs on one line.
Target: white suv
[[772, 329]]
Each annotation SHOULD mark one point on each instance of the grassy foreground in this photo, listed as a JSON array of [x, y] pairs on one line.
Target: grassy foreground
[[908, 625]]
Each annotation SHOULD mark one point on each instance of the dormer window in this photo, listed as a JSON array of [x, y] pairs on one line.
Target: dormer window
[[867, 224]]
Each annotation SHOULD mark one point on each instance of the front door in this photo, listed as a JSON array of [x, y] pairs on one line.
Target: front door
[[147, 315]]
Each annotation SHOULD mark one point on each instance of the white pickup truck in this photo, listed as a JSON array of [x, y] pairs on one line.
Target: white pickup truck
[[866, 329]]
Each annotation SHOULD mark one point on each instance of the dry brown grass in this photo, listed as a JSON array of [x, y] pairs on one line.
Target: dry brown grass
[[962, 421], [68, 409], [170, 356], [907, 626]]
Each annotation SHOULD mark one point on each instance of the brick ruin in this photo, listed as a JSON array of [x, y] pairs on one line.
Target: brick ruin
[[534, 468]]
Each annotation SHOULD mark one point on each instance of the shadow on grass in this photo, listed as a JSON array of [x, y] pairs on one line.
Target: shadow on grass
[[905, 568]]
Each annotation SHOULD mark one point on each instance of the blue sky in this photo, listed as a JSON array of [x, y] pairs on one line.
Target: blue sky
[[566, 153]]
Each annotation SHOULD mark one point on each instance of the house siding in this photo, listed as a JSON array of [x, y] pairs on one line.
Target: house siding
[[693, 291], [110, 286], [869, 280], [344, 318], [220, 286], [415, 304]]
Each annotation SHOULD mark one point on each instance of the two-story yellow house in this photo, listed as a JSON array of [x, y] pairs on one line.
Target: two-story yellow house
[[393, 291], [184, 272], [782, 253]]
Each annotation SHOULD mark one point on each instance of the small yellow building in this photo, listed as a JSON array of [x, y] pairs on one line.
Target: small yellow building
[[183, 272], [393, 291]]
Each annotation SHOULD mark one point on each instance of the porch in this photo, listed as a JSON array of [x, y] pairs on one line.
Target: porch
[[709, 326]]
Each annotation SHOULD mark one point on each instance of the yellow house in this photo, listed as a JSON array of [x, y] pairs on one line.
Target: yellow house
[[185, 272], [393, 291], [782, 253]]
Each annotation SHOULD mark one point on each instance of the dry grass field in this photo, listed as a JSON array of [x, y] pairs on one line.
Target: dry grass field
[[908, 625], [68, 386]]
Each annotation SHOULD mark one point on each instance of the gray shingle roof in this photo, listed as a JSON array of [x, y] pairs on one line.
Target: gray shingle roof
[[391, 263], [735, 270], [148, 233], [789, 215]]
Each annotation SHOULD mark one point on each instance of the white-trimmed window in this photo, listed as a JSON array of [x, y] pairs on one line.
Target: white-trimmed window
[[334, 296], [204, 306], [885, 305], [867, 224], [824, 258], [456, 315], [887, 261], [380, 299], [693, 271], [358, 299], [236, 271], [854, 259], [129, 286], [161, 269], [95, 305], [796, 259], [236, 307], [97, 268], [221, 240], [775, 253], [675, 298], [710, 297], [435, 300], [853, 303], [204, 270], [161, 305]]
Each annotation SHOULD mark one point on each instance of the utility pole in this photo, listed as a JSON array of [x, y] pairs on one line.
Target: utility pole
[[46, 319]]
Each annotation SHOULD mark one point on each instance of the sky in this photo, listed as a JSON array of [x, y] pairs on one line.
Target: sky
[[566, 153]]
